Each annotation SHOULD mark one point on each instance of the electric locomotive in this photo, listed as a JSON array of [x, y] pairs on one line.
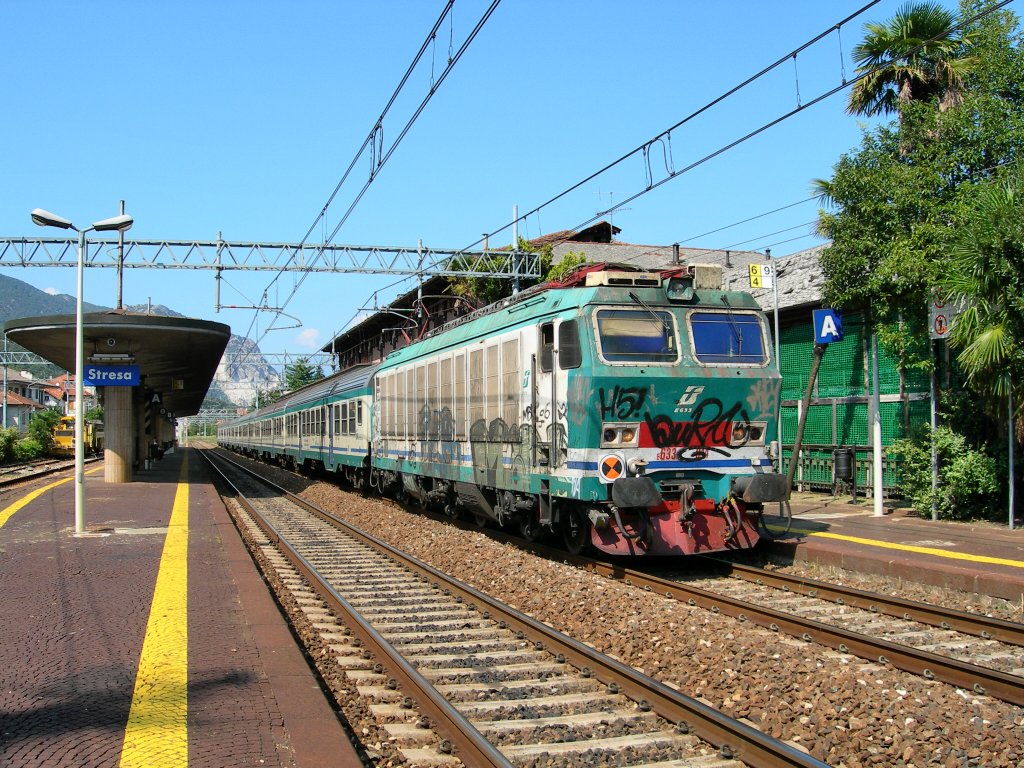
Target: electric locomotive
[[630, 411]]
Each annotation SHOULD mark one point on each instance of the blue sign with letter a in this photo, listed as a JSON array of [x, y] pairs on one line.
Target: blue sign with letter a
[[828, 326]]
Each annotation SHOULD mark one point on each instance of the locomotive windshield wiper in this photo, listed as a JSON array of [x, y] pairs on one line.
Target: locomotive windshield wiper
[[666, 328], [734, 326]]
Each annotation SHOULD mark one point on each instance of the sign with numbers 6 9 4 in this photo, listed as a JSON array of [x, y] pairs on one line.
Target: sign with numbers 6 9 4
[[762, 275]]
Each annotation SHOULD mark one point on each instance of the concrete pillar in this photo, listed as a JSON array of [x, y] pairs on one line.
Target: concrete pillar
[[118, 434]]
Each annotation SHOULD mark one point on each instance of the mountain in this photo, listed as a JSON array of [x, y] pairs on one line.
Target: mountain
[[19, 299], [242, 370]]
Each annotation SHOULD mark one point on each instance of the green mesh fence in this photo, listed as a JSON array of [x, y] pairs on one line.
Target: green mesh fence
[[852, 424]]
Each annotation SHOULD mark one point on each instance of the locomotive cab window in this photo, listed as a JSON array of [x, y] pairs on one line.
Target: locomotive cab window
[[637, 336], [728, 337], [569, 353], [547, 346]]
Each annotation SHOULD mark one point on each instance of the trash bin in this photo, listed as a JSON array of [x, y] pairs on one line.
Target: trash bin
[[842, 459]]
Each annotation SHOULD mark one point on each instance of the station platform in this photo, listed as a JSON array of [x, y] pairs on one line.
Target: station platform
[[152, 639], [973, 557]]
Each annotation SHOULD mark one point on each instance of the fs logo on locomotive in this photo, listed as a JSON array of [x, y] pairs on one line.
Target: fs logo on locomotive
[[688, 398]]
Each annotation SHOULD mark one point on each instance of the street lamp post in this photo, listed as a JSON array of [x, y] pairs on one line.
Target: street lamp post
[[120, 223]]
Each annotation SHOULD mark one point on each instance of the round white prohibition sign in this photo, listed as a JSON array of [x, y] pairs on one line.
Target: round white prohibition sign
[[611, 467]]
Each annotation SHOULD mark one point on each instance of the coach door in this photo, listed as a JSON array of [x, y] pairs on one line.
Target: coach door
[[542, 399], [558, 352]]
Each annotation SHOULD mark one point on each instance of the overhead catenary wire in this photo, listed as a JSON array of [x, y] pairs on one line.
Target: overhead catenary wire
[[696, 113], [382, 159], [372, 140]]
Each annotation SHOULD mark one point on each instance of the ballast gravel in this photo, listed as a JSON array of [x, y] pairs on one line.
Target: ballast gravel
[[846, 712]]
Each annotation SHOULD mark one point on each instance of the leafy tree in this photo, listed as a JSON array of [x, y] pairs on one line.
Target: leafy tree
[[266, 397], [300, 373], [94, 414], [919, 57], [925, 201], [894, 205]]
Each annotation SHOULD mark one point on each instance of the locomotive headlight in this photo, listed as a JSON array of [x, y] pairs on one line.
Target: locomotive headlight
[[749, 432], [616, 435]]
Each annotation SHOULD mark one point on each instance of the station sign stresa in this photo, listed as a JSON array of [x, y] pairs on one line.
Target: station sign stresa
[[111, 375]]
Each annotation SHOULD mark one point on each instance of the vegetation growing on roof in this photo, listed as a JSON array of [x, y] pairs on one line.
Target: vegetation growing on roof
[[487, 290]]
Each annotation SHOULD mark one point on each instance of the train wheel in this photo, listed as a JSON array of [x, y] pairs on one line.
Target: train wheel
[[481, 519], [529, 527], [576, 532]]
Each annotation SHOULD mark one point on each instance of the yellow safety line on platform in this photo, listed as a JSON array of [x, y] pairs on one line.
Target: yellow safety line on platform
[[911, 548], [157, 732], [8, 512]]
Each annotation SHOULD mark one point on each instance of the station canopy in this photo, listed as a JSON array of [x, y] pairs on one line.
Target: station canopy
[[177, 357]]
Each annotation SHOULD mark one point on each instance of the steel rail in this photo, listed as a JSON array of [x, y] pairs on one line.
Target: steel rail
[[468, 743], [733, 738], [986, 627], [931, 666]]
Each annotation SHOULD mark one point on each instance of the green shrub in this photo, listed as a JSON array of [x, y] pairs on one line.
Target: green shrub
[[40, 428], [8, 437], [27, 449], [968, 480]]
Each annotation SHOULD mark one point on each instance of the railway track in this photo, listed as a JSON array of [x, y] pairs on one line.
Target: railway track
[[18, 473], [457, 676], [969, 651]]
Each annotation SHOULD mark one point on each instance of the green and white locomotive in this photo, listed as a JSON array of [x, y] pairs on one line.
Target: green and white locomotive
[[631, 411]]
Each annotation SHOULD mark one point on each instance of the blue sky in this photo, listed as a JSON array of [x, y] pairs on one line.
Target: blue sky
[[240, 118]]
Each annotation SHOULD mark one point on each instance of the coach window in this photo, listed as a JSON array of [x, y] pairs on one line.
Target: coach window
[[493, 383], [510, 381], [410, 403], [476, 387], [401, 409], [352, 417], [547, 346], [569, 353], [433, 399], [359, 414], [421, 401], [460, 395], [444, 405]]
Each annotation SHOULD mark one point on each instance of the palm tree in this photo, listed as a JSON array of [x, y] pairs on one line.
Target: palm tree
[[918, 55], [985, 273]]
